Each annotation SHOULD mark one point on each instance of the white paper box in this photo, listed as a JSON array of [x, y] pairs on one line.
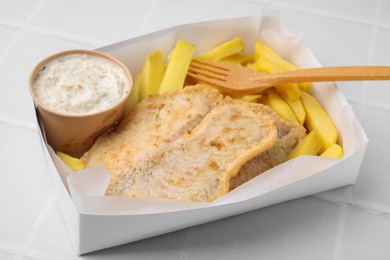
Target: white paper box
[[95, 221]]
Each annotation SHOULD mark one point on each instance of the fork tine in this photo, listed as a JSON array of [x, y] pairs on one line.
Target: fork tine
[[207, 73], [217, 68], [206, 79]]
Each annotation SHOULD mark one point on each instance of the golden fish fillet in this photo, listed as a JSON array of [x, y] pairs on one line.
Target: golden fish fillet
[[153, 123], [289, 135], [192, 144], [199, 164]]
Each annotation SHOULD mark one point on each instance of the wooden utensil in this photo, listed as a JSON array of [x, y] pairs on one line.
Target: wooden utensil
[[239, 80]]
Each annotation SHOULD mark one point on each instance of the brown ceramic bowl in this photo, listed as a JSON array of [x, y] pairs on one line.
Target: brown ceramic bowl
[[75, 134]]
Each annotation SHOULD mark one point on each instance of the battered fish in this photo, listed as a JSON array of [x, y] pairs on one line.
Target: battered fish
[[289, 135], [199, 165], [192, 144], [153, 123]]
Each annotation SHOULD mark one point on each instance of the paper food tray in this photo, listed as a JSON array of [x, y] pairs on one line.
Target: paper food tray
[[96, 222]]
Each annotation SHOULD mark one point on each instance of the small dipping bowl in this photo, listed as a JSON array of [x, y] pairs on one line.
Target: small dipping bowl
[[75, 133]]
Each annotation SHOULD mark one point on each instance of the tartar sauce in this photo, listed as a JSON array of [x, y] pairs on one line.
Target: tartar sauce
[[80, 84]]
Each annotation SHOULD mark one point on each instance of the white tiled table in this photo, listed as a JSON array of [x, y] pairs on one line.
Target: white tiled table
[[347, 223]]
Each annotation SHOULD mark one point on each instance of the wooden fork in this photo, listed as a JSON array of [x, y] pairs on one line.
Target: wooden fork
[[239, 80]]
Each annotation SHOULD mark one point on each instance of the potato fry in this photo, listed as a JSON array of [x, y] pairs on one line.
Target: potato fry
[[276, 102], [261, 50], [318, 120], [237, 59], [267, 65], [134, 98], [224, 50], [72, 162], [298, 109], [311, 144], [333, 151], [289, 91], [305, 86], [263, 53], [177, 68], [152, 74]]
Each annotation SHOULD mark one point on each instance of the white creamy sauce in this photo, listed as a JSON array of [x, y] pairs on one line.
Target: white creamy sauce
[[80, 84]]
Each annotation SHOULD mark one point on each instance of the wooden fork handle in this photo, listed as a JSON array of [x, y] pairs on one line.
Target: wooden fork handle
[[346, 73]]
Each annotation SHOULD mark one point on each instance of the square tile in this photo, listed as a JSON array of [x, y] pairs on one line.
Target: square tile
[[384, 12], [6, 36], [381, 51], [24, 183], [344, 43], [378, 92], [175, 12], [372, 186], [17, 11], [6, 256], [366, 236], [354, 9], [103, 21]]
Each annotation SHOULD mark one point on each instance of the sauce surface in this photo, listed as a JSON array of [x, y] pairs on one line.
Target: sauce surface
[[80, 84]]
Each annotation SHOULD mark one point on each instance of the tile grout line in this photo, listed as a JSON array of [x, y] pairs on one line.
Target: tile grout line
[[354, 205], [183, 252], [373, 38], [20, 29], [35, 11], [7, 48], [65, 36], [48, 32], [343, 17], [147, 16], [13, 123], [372, 42], [54, 34], [47, 207], [340, 228], [9, 249]]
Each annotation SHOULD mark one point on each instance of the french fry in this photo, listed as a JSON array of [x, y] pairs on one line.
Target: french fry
[[72, 162], [311, 144], [298, 109], [305, 86], [261, 50], [318, 120], [134, 98], [177, 68], [333, 151], [237, 59], [224, 50], [272, 65], [267, 60], [289, 91], [277, 103], [152, 74]]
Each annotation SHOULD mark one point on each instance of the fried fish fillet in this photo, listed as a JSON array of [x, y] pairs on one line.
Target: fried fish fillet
[[192, 144], [154, 122], [199, 164], [289, 135]]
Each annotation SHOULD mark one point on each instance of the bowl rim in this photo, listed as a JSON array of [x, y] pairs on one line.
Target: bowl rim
[[34, 73]]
